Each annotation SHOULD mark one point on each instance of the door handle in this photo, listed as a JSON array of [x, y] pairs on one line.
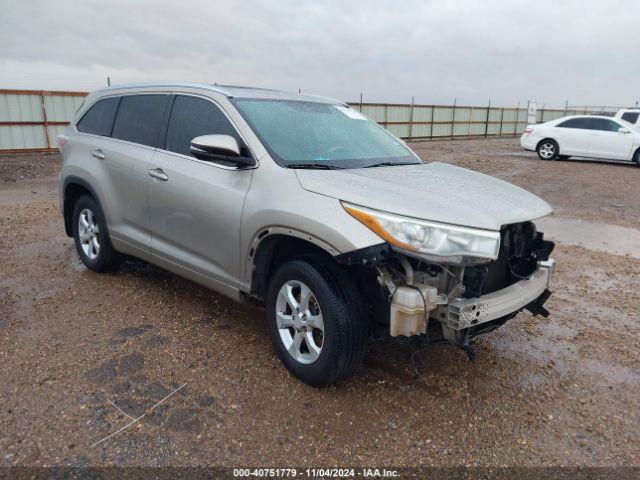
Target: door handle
[[98, 154], [159, 174]]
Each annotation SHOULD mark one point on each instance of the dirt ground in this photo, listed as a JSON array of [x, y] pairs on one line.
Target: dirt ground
[[564, 390]]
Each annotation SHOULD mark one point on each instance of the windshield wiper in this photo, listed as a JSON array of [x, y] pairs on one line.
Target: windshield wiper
[[314, 166], [390, 164]]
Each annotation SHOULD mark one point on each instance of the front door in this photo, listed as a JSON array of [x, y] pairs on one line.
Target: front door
[[608, 142], [195, 206]]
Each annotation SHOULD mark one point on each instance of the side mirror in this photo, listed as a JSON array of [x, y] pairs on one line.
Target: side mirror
[[218, 147], [624, 130]]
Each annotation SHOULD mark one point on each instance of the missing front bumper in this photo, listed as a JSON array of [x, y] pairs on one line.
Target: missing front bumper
[[464, 313]]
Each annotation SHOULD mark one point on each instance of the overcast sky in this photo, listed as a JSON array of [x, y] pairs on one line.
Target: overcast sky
[[583, 51]]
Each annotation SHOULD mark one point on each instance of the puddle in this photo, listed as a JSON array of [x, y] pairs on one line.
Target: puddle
[[602, 237]]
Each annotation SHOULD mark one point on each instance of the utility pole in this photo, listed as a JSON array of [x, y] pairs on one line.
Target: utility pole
[[108, 81]]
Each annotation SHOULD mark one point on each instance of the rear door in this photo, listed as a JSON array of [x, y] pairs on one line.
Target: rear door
[[135, 135], [195, 206], [573, 136], [608, 142]]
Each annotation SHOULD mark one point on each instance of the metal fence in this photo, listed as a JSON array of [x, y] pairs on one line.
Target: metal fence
[[428, 122], [30, 120]]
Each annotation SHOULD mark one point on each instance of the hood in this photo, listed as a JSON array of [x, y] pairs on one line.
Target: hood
[[436, 191]]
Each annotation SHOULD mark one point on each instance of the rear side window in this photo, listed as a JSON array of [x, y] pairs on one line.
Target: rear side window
[[192, 117], [631, 117], [99, 118], [605, 125], [575, 123], [139, 118]]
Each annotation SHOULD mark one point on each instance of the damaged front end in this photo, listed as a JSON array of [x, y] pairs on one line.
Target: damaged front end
[[454, 300]]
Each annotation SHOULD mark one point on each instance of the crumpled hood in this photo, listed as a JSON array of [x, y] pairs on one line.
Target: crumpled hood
[[436, 191]]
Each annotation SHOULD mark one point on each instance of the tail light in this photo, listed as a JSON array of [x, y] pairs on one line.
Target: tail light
[[528, 130], [62, 141]]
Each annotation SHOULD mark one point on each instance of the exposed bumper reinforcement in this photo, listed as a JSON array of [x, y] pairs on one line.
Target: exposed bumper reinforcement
[[468, 312]]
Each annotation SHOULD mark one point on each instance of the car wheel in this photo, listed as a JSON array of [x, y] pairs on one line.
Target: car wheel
[[91, 237], [636, 158], [547, 150], [315, 321]]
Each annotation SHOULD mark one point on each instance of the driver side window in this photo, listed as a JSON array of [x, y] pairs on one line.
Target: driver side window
[[192, 117]]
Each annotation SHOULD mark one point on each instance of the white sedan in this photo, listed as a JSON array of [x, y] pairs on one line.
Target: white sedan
[[583, 136]]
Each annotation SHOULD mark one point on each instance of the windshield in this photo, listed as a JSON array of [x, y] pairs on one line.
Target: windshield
[[301, 134]]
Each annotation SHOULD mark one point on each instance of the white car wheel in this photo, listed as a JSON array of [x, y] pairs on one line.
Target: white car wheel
[[548, 150]]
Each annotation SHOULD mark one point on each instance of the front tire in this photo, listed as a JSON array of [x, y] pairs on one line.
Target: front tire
[[636, 158], [315, 321], [91, 237], [548, 150]]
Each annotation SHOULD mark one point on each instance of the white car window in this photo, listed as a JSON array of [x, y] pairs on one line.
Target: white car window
[[582, 123]]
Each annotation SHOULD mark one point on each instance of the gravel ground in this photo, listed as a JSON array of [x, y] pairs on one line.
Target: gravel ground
[[564, 390]]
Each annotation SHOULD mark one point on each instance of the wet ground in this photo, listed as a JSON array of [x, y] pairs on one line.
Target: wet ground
[[80, 352]]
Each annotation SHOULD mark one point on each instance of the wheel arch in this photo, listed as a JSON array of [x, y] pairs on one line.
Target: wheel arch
[[74, 188], [547, 139], [272, 247]]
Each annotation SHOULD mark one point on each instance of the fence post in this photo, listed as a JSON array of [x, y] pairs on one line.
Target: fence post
[[542, 113], [386, 112], [453, 116], [515, 127], [44, 119], [566, 107], [411, 119], [360, 102], [433, 109], [501, 118], [486, 123]]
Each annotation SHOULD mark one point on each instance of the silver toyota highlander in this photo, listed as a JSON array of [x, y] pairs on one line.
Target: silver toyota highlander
[[303, 204]]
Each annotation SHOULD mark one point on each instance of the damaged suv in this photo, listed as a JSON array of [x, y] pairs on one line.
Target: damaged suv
[[306, 206]]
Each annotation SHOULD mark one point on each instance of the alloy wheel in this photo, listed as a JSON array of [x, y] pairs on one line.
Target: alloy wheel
[[88, 233], [299, 321], [548, 150]]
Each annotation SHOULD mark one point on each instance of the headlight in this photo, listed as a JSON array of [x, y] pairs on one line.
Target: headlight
[[439, 241]]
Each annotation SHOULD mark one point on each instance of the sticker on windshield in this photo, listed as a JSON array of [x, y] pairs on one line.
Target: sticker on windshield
[[350, 112]]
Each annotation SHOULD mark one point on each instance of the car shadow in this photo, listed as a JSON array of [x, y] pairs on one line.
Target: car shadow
[[601, 161]]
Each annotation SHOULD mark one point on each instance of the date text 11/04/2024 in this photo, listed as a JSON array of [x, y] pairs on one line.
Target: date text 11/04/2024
[[315, 472]]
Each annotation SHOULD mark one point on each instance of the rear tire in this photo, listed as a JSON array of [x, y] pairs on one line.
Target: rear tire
[[548, 149], [315, 321], [636, 158], [92, 238]]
